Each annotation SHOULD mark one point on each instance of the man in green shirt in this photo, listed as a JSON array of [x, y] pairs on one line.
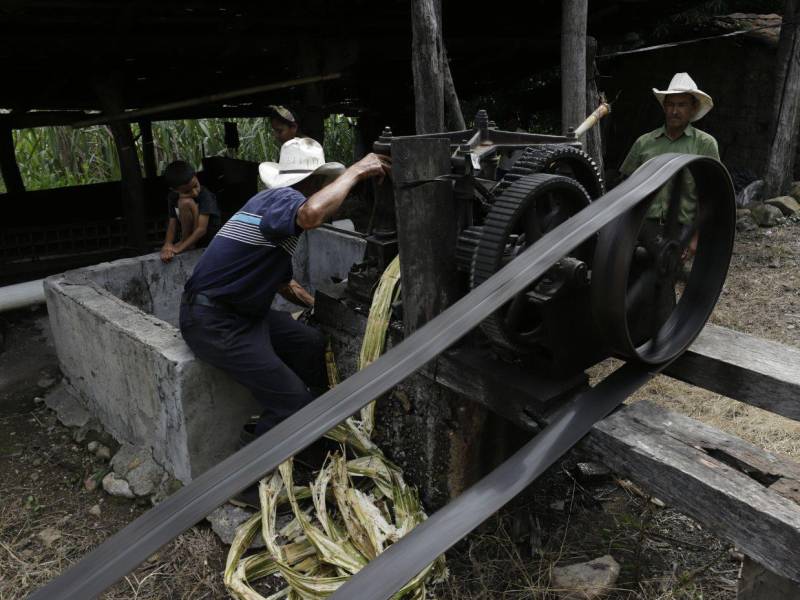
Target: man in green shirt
[[683, 103]]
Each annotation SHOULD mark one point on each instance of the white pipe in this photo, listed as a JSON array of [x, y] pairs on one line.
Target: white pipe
[[21, 295]]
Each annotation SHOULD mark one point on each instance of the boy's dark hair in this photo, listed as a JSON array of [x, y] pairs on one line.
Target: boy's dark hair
[[178, 173]]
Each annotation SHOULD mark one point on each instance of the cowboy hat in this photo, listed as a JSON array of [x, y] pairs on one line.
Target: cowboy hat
[[283, 112], [300, 157], [683, 84]]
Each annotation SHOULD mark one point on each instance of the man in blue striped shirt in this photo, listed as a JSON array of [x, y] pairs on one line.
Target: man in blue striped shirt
[[225, 314]]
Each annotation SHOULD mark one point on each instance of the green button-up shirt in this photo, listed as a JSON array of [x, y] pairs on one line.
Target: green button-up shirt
[[654, 143]]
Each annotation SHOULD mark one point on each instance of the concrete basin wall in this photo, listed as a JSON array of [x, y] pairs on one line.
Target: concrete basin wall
[[115, 332], [134, 372]]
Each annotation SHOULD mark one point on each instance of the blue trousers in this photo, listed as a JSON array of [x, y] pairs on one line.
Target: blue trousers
[[275, 357]]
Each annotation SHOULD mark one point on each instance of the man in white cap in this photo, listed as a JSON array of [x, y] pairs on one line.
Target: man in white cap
[[683, 104], [225, 313]]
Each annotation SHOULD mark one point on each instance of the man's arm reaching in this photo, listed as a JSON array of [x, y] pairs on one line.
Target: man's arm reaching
[[324, 204]]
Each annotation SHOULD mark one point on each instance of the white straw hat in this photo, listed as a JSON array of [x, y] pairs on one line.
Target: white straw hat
[[683, 84], [300, 157]]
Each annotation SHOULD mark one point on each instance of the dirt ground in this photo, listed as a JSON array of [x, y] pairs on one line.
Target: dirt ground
[[48, 519]]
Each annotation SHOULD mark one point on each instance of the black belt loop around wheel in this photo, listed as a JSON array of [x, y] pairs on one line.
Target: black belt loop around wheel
[[121, 553]]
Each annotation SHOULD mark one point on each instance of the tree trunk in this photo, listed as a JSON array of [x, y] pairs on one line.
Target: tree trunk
[[593, 143], [573, 63], [786, 116], [131, 172], [426, 65], [8, 162], [455, 118]]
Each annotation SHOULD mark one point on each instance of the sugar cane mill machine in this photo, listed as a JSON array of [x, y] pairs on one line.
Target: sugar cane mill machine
[[630, 290], [554, 272]]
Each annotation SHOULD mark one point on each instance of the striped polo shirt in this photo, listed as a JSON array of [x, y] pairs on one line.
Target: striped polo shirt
[[251, 255]]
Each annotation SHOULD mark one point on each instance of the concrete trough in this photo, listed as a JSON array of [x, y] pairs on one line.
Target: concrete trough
[[115, 332]]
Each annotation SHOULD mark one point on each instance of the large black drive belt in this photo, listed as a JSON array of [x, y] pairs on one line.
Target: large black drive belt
[[399, 563], [121, 553]]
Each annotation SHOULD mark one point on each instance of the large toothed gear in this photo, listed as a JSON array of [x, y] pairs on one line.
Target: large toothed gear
[[524, 211]]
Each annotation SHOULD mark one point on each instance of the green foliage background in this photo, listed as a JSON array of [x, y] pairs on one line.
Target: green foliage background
[[50, 157]]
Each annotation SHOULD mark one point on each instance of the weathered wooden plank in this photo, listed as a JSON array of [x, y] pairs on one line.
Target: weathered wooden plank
[[720, 480], [743, 367]]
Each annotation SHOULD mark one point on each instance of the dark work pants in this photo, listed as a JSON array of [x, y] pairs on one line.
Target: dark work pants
[[275, 357]]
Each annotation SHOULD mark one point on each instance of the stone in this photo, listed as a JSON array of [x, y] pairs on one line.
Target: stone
[[95, 510], [765, 215], [586, 581], [227, 518], [786, 204], [92, 446], [117, 487], [103, 452], [69, 409], [49, 536], [90, 483], [45, 382], [745, 222], [750, 193], [794, 190], [137, 467], [166, 488]]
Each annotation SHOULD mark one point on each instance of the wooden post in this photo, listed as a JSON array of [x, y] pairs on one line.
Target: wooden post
[[426, 65], [148, 149], [8, 162], [786, 118], [426, 229], [593, 143], [573, 63], [455, 118], [132, 183]]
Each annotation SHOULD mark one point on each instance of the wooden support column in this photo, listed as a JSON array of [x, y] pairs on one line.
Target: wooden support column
[[426, 65], [786, 117], [593, 142], [8, 162], [426, 229], [573, 63], [455, 118], [148, 149], [132, 183]]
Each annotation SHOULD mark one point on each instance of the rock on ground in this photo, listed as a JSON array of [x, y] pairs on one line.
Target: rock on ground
[[136, 465], [68, 408], [766, 215], [786, 204], [49, 536], [117, 487], [586, 581], [752, 193], [227, 518], [745, 221]]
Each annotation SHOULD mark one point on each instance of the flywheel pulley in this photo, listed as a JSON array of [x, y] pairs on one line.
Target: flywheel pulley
[[650, 296]]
